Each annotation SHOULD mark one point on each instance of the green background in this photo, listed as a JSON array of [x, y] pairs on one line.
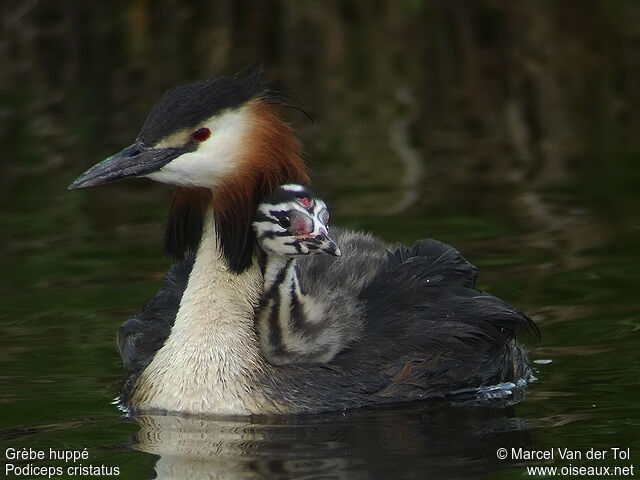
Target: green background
[[508, 129]]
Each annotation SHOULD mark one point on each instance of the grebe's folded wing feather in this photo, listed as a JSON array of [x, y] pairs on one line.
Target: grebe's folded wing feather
[[426, 329], [434, 258]]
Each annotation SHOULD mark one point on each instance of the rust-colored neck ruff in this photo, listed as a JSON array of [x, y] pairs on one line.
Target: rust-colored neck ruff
[[270, 156]]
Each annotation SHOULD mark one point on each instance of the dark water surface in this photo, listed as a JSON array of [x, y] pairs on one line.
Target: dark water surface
[[511, 133]]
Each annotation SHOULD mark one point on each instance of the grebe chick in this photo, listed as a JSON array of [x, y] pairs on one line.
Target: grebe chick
[[292, 326]]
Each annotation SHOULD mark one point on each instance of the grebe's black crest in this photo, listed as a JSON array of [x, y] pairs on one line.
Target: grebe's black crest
[[188, 105]]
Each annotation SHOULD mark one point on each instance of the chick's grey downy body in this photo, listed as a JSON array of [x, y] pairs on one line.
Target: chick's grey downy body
[[296, 324]]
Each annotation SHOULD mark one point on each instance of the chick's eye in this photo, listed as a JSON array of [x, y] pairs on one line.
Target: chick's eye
[[201, 134], [284, 222]]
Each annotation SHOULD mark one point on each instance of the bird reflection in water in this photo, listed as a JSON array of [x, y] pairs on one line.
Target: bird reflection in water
[[438, 442]]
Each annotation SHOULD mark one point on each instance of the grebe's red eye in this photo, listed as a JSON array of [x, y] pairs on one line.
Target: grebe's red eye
[[201, 134]]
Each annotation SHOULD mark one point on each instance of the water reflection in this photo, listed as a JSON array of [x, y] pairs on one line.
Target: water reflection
[[438, 442]]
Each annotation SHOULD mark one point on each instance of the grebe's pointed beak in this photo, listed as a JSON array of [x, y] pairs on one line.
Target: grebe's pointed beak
[[134, 161]]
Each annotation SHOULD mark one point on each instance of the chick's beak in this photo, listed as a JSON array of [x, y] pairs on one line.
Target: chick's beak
[[331, 248], [323, 244]]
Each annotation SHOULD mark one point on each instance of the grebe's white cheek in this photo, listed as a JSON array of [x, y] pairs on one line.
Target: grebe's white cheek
[[215, 158]]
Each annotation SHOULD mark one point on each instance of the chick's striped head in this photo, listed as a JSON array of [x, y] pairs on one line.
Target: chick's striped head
[[293, 221]]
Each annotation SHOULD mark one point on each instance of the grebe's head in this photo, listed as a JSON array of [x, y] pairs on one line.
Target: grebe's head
[[293, 221], [223, 145], [202, 135]]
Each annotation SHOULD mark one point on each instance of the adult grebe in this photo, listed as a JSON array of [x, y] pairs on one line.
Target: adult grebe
[[193, 348]]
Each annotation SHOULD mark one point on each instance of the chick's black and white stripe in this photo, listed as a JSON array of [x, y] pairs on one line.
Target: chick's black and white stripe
[[296, 328]]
